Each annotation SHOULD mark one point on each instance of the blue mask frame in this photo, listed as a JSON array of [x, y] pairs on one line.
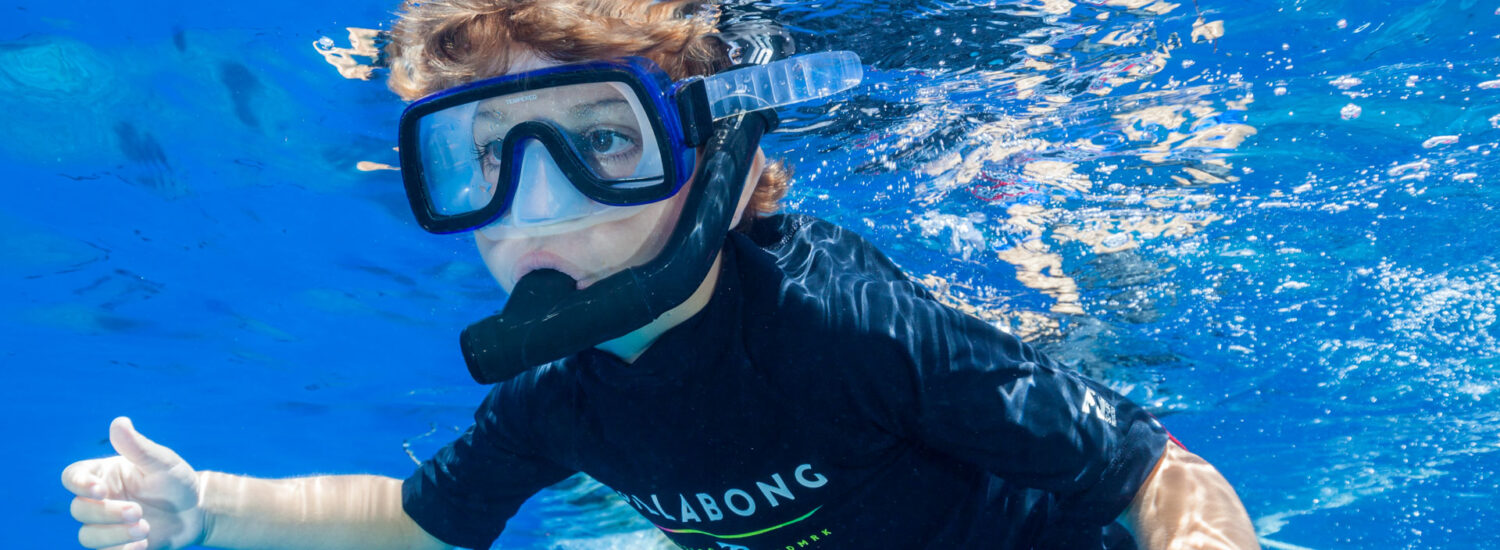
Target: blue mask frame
[[678, 113]]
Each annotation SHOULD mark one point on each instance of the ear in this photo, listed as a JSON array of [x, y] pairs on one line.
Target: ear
[[751, 179]]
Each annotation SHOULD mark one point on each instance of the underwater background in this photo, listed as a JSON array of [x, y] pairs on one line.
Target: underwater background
[[1273, 222]]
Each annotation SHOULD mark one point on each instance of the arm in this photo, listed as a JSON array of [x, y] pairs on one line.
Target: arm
[[1184, 504], [326, 512], [994, 401], [149, 497]]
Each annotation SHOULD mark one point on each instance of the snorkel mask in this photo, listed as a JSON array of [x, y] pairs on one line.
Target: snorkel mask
[[579, 144]]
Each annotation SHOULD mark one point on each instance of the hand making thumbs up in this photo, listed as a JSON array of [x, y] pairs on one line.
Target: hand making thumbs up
[[145, 498]]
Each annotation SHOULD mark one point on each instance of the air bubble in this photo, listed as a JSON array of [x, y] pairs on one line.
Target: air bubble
[[1345, 82], [1437, 141]]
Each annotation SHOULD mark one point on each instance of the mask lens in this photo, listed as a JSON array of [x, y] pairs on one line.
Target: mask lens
[[602, 126], [451, 171], [609, 132]]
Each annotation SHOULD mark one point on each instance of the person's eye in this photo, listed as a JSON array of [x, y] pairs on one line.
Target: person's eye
[[484, 153], [607, 142]]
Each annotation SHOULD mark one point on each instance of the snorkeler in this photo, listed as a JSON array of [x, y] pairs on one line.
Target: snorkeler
[[742, 380]]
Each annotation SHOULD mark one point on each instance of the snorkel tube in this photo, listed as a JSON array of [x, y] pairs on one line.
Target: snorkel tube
[[547, 318]]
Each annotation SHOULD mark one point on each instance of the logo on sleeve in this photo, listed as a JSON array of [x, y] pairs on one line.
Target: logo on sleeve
[[1100, 408]]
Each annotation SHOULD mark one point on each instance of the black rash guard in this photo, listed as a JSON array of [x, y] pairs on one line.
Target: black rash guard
[[820, 400]]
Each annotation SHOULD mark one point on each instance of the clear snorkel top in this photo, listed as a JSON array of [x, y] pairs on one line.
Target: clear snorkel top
[[792, 80]]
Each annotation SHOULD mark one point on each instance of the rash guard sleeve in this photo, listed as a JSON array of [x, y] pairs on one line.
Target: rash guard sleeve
[[465, 494], [959, 385], [985, 397]]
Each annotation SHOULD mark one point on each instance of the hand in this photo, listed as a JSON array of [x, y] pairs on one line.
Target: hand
[[145, 498]]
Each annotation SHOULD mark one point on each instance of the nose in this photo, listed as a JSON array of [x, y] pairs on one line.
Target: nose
[[543, 193]]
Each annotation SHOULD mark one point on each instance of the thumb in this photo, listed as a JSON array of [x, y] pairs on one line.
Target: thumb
[[144, 453]]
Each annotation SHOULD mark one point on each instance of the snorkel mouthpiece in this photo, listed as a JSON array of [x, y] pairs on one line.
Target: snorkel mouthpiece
[[548, 318]]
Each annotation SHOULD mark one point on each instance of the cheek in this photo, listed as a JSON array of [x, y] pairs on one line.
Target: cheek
[[630, 242], [651, 232], [500, 257], [635, 240], [596, 252]]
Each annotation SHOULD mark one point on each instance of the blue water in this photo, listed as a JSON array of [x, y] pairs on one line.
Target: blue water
[[1281, 239]]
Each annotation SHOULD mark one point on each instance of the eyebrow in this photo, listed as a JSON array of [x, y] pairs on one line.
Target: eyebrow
[[490, 116], [588, 109], [579, 111]]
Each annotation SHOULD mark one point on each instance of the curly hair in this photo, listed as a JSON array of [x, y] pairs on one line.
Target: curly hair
[[439, 44]]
